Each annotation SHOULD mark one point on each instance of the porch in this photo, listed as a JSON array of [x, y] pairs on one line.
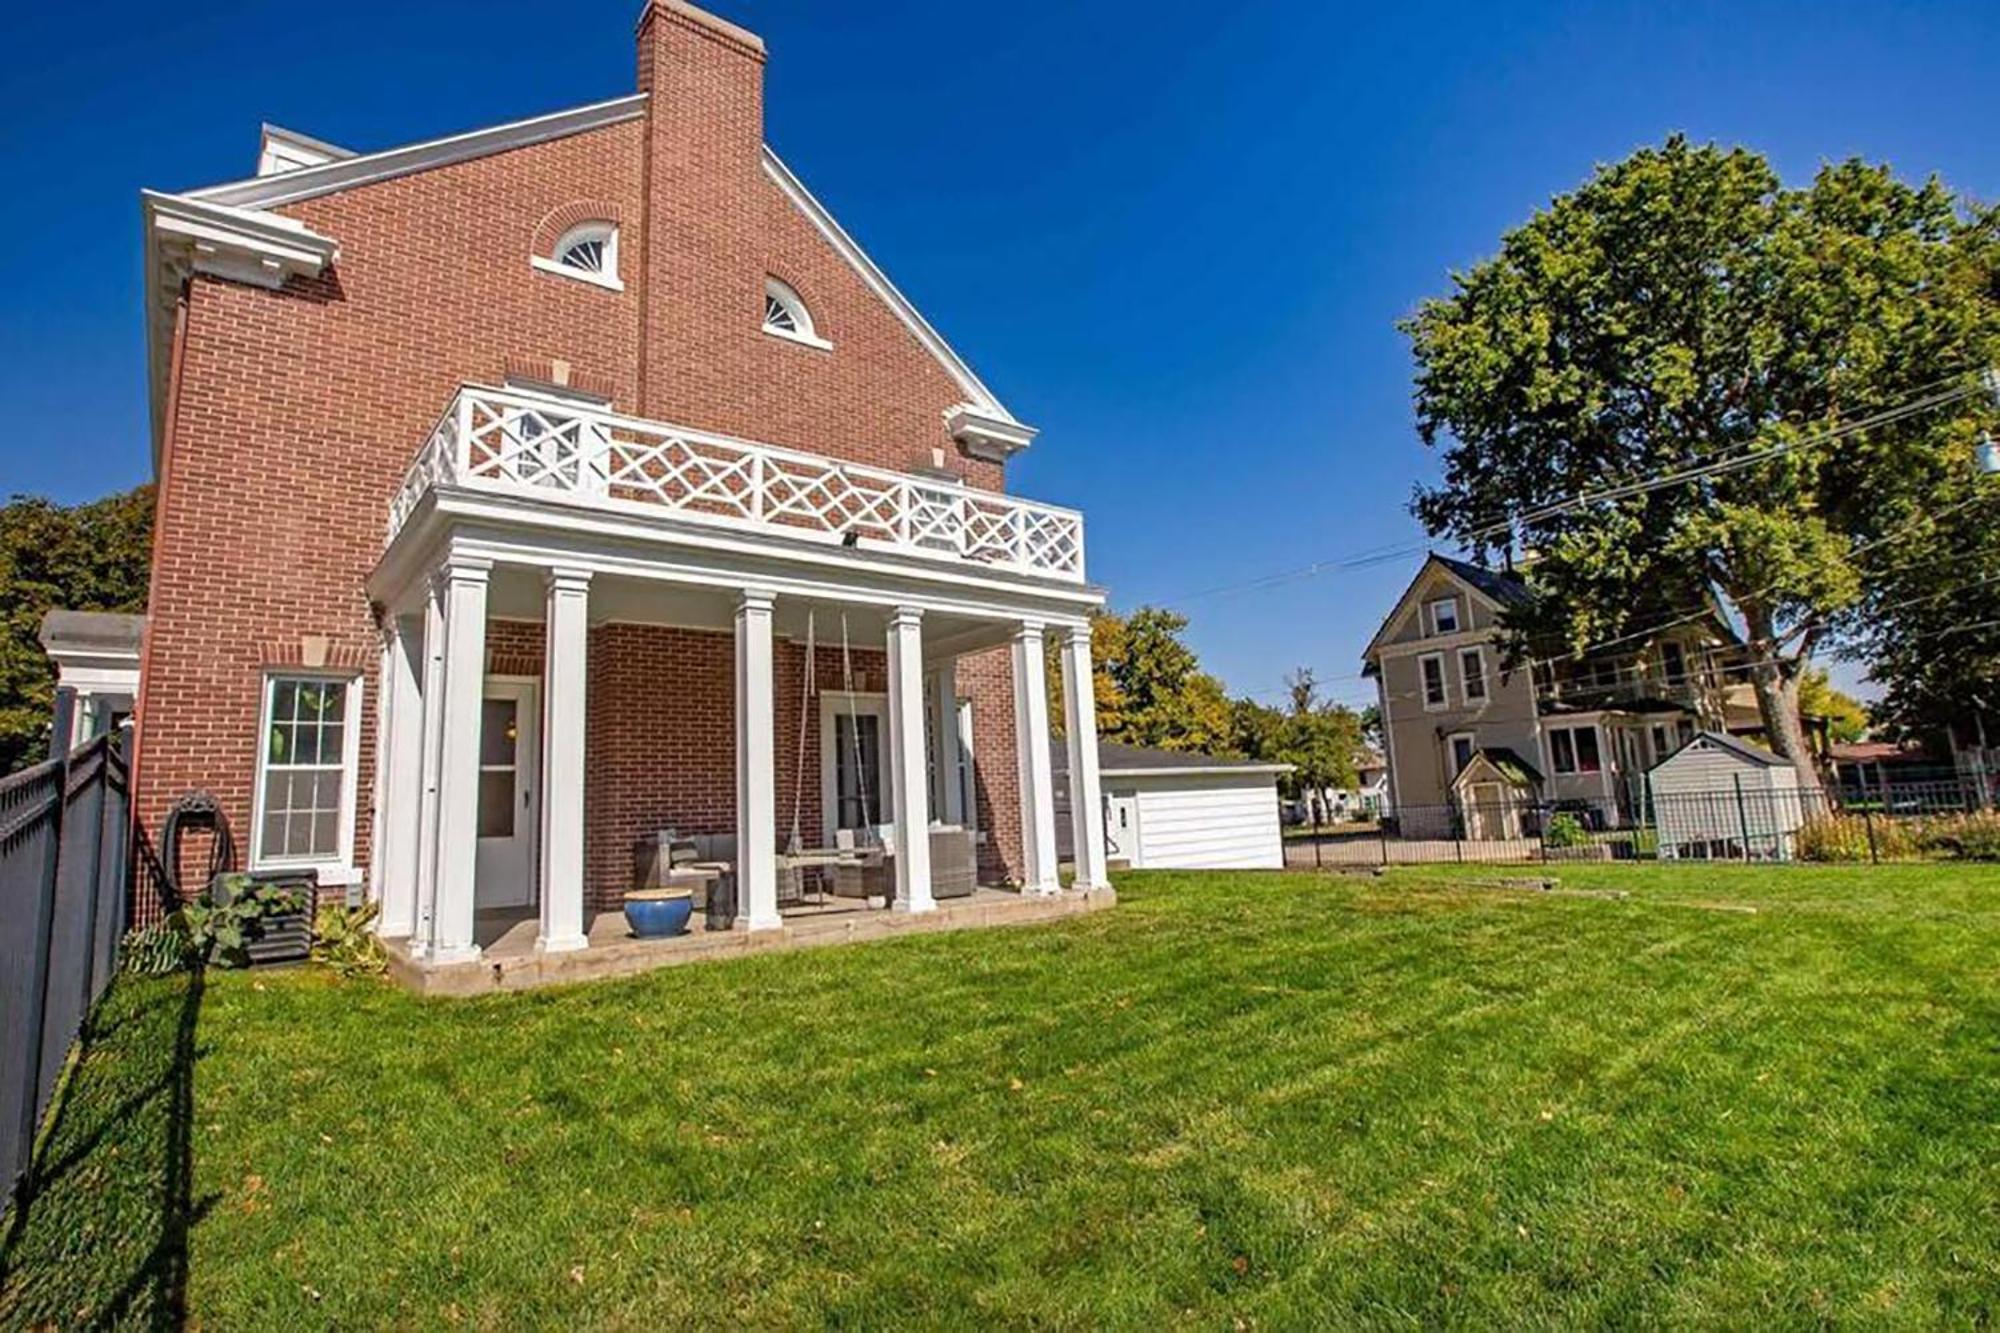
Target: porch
[[598, 630], [511, 960]]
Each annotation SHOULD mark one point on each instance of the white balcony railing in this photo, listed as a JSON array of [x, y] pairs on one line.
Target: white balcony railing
[[527, 444]]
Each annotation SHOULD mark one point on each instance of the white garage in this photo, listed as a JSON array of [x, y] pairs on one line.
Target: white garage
[[1164, 810]]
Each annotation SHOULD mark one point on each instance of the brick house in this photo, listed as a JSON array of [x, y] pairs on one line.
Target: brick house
[[525, 492]]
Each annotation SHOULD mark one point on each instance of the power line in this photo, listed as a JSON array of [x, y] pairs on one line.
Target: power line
[[1644, 484]]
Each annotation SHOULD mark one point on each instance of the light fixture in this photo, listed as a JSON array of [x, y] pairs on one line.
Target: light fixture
[[851, 537]]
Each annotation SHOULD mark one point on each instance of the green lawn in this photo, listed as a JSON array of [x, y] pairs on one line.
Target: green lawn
[[1280, 1099]]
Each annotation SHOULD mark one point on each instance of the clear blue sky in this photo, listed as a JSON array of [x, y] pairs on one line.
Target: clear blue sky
[[1176, 236]]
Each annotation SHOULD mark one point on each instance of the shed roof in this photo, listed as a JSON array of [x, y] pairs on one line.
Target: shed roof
[[1113, 757]]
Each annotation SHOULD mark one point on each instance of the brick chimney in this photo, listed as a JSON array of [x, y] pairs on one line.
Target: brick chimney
[[701, 297]]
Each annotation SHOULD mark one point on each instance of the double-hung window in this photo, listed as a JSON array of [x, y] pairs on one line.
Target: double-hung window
[[1444, 615], [306, 772], [1673, 658], [1431, 665], [1574, 750], [1472, 675]]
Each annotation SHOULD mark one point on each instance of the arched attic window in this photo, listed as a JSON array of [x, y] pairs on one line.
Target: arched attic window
[[587, 252], [786, 316]]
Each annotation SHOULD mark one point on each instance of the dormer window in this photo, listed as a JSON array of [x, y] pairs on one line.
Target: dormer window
[[786, 316], [587, 252], [1444, 615]]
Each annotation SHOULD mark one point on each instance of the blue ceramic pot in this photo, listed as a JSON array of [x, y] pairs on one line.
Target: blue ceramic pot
[[654, 913]]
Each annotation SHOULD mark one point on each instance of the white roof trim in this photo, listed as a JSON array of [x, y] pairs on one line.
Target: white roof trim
[[878, 282], [1200, 770], [367, 168], [236, 243]]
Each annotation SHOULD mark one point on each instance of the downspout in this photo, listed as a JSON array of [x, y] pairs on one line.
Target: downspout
[[170, 413]]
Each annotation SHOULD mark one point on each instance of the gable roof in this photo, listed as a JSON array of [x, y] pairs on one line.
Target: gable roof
[[1493, 586], [1139, 761], [989, 418], [1506, 762], [1741, 749]]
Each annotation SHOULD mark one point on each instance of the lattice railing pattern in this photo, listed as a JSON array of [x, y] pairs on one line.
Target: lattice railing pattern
[[527, 443]]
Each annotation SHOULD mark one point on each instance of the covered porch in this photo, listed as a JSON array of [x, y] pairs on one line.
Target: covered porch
[[566, 674]]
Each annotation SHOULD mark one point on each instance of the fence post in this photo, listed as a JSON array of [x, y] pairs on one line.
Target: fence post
[[1868, 821], [1382, 838], [1742, 817], [64, 723], [1313, 804]]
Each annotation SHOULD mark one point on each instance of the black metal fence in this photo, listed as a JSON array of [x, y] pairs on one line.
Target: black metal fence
[[1933, 820], [64, 830]]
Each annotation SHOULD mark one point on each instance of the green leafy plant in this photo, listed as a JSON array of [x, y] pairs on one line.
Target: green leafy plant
[[154, 951], [1564, 830], [344, 941], [221, 923], [1968, 837]]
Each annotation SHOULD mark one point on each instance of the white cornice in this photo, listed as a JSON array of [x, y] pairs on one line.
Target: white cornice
[[985, 435], [236, 243], [982, 398], [365, 169]]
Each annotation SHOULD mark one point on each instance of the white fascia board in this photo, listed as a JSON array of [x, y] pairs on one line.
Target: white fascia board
[[1205, 770], [290, 187], [260, 248], [982, 398]]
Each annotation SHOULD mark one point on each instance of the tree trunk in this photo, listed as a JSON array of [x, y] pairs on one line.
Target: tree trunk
[[1776, 683]]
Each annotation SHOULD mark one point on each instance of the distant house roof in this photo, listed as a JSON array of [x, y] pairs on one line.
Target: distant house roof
[[94, 633], [1502, 586], [1135, 760], [1740, 748], [1876, 752]]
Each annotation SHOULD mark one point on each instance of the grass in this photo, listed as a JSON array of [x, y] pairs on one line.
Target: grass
[[1280, 1099]]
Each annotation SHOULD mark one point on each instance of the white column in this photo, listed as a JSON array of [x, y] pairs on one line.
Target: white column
[[400, 784], [430, 737], [1031, 749], [909, 784], [565, 716], [1086, 801], [756, 767], [944, 741], [461, 703]]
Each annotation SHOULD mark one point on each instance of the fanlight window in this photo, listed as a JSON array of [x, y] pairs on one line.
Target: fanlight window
[[786, 315], [588, 251]]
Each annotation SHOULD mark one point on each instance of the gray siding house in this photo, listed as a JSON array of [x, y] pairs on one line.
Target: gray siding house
[[1578, 734]]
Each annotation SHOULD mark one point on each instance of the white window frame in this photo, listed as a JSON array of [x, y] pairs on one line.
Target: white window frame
[[1576, 768], [1451, 751], [584, 231], [1424, 685], [337, 869], [1431, 610], [1685, 676], [1465, 678], [783, 293]]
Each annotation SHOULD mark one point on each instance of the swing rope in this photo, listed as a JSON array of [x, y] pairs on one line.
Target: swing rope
[[806, 691], [853, 726]]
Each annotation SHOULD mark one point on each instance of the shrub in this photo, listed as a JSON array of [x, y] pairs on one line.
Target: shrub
[[1968, 837], [343, 941], [1845, 837], [153, 951], [1564, 830], [220, 924]]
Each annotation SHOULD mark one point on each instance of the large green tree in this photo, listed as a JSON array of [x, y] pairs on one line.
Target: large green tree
[[1681, 308], [89, 557], [1150, 687]]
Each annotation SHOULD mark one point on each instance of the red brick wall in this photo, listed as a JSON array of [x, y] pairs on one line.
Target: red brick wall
[[299, 410]]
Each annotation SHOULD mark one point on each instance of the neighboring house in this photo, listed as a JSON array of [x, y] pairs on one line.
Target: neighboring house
[[1167, 810], [1580, 734], [1368, 798], [530, 491], [1720, 797], [96, 656]]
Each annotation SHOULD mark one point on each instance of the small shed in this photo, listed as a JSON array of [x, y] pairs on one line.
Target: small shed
[[1718, 796], [1167, 810]]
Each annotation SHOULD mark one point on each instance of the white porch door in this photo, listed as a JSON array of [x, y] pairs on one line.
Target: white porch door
[[509, 759], [855, 790]]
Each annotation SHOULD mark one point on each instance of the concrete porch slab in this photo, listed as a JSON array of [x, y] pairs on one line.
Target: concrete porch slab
[[509, 960]]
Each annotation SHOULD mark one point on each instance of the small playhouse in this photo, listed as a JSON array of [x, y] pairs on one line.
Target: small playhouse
[[1719, 797]]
